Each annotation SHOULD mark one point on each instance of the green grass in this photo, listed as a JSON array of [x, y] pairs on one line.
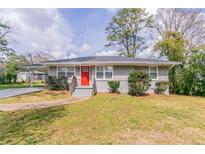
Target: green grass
[[20, 85], [110, 119], [36, 97]]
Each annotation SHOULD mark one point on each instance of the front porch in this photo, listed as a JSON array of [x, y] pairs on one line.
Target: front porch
[[83, 83], [81, 79]]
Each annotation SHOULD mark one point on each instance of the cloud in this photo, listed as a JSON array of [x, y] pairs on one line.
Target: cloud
[[72, 55], [107, 53], [85, 47], [78, 50], [43, 30]]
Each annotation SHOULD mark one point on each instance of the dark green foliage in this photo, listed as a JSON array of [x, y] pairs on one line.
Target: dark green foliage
[[190, 78], [172, 46], [57, 83], [9, 77], [138, 83], [161, 87], [114, 85], [14, 76]]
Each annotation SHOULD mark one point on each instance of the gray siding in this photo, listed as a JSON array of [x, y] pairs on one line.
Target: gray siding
[[121, 74], [102, 86]]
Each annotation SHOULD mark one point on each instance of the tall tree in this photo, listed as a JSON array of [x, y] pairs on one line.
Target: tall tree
[[5, 30], [189, 22], [13, 63], [123, 32], [172, 46]]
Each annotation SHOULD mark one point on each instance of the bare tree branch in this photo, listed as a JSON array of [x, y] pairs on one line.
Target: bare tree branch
[[189, 22]]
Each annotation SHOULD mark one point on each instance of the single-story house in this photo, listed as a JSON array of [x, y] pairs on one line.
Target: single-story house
[[93, 72], [31, 75]]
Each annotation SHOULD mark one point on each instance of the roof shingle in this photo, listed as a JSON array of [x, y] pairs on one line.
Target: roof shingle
[[108, 59]]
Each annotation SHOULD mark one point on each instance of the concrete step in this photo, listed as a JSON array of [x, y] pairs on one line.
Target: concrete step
[[82, 92]]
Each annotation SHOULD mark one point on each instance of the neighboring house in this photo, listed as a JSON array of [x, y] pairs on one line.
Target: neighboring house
[[27, 76], [32, 72], [92, 73]]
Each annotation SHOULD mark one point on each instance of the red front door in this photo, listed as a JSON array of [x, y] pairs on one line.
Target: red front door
[[84, 75]]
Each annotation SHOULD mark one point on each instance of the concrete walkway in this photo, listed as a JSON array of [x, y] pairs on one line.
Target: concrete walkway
[[37, 105], [18, 91]]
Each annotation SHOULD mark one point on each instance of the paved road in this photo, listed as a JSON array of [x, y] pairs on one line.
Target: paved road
[[37, 105], [18, 91]]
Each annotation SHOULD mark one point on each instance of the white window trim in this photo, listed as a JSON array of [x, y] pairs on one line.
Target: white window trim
[[96, 73], [157, 72], [66, 70], [103, 73], [49, 70]]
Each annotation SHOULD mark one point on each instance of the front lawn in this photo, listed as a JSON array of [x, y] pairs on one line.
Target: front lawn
[[20, 85], [36, 97], [110, 119]]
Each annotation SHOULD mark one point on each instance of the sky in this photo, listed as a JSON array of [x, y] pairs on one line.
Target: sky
[[62, 33]]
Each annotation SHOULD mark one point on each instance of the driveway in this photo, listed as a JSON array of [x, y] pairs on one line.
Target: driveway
[[38, 105], [18, 91]]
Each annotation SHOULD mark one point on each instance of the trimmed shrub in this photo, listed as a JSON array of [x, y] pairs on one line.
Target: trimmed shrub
[[114, 85], [161, 87], [64, 83], [138, 83], [57, 83]]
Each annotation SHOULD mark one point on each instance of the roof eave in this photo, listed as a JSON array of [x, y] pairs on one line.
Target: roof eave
[[169, 63]]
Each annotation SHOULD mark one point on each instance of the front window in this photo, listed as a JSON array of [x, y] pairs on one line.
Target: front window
[[153, 73], [108, 72], [104, 72], [66, 71], [61, 71], [99, 72], [52, 71], [70, 72]]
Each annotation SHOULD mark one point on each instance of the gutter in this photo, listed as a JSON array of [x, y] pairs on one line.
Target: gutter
[[108, 63]]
